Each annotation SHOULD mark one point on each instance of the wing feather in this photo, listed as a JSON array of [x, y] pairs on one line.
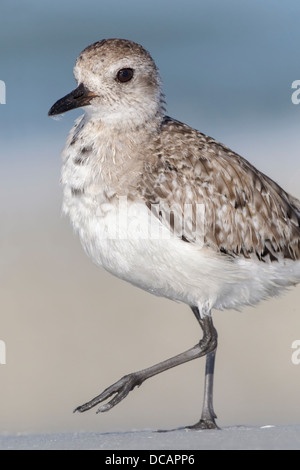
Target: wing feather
[[245, 212]]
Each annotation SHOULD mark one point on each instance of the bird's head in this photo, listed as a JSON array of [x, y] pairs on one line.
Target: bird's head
[[118, 82]]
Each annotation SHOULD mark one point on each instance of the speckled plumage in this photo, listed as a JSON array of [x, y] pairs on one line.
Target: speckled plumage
[[246, 213]]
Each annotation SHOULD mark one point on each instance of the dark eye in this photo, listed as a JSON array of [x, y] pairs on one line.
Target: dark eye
[[124, 75]]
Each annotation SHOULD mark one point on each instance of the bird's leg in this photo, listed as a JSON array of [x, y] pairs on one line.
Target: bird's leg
[[207, 420], [121, 389]]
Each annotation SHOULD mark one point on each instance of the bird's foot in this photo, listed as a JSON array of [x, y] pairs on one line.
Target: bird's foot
[[208, 423], [120, 391]]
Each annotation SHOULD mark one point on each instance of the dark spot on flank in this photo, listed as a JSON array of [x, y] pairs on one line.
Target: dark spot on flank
[[239, 203], [80, 160], [82, 157], [73, 141], [172, 220], [225, 252], [86, 149], [170, 167], [77, 191]]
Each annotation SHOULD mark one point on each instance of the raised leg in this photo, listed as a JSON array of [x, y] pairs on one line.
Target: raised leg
[[121, 389]]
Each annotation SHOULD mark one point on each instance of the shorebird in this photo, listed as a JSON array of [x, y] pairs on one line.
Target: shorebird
[[133, 181]]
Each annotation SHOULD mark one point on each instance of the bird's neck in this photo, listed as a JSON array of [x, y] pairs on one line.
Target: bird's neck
[[115, 155]]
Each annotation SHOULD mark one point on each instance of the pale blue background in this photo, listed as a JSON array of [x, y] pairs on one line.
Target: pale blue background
[[224, 63], [71, 329]]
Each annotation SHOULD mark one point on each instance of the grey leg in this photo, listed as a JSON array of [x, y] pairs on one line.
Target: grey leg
[[207, 420], [121, 389]]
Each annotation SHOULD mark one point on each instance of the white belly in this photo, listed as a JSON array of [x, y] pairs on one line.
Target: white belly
[[133, 245]]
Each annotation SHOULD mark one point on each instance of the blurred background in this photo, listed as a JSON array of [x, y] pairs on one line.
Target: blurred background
[[70, 328]]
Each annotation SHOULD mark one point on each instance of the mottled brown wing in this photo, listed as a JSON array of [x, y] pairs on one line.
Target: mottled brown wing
[[245, 212]]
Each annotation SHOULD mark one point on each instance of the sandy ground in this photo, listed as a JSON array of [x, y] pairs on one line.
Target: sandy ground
[[234, 438]]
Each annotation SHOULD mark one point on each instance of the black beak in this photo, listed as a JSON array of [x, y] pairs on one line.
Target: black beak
[[81, 96]]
